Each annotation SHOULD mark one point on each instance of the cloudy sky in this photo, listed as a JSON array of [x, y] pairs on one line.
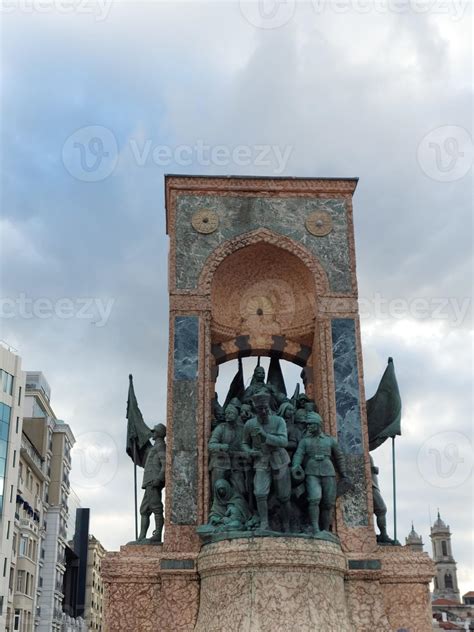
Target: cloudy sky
[[99, 102]]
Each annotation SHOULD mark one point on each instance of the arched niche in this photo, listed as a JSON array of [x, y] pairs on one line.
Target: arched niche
[[263, 291]]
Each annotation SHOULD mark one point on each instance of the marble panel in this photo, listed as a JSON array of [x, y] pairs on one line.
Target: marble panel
[[239, 215]]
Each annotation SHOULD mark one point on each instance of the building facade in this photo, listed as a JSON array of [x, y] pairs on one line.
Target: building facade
[[29, 531], [468, 598], [94, 586], [54, 440], [12, 387], [35, 461]]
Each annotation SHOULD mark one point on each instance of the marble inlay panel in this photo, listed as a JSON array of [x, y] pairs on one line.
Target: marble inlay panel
[[238, 215], [354, 503], [186, 338], [346, 378], [349, 423], [185, 389], [184, 415], [184, 501]]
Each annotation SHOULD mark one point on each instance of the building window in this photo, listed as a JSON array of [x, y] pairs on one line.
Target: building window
[[14, 458], [7, 382], [19, 396], [448, 580], [444, 548], [23, 546], [5, 412], [17, 425], [20, 581], [16, 620]]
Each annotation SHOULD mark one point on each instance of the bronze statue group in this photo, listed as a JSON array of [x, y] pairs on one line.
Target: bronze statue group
[[272, 468]]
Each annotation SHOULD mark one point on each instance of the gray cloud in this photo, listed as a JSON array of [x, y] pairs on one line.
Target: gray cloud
[[350, 94]]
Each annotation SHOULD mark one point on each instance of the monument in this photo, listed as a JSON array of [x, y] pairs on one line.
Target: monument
[[269, 499]]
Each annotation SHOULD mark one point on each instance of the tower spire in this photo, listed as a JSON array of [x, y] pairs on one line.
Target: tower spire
[[414, 541], [445, 581]]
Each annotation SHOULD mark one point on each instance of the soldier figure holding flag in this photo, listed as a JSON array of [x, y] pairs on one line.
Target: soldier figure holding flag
[[153, 483], [153, 459]]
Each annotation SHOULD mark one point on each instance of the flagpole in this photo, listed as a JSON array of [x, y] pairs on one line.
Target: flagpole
[[135, 487], [394, 492]]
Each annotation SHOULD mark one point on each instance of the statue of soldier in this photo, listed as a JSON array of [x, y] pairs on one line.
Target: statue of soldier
[[303, 402], [380, 508], [258, 385], [265, 439], [153, 483], [300, 420], [228, 459], [295, 434], [246, 413], [235, 401], [320, 456]]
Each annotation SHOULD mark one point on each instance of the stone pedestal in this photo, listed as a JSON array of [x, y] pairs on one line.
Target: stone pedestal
[[267, 585], [149, 590], [405, 580], [389, 590], [272, 585]]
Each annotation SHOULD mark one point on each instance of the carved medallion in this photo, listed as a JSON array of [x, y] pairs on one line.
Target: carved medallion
[[319, 223], [205, 221]]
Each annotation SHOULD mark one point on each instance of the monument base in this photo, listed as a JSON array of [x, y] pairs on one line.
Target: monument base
[[272, 584], [267, 584], [149, 590]]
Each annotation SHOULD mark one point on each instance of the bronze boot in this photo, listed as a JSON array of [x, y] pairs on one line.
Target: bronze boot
[[144, 524], [285, 516], [314, 517], [262, 507], [159, 527], [326, 518]]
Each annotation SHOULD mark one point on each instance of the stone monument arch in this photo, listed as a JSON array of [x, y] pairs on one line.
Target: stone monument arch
[[264, 299], [264, 267]]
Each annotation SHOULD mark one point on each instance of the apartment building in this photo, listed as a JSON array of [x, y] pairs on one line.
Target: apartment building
[[94, 586], [28, 532], [12, 386], [35, 462], [53, 440]]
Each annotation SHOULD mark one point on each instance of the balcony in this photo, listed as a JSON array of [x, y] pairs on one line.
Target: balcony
[[28, 524], [35, 457]]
